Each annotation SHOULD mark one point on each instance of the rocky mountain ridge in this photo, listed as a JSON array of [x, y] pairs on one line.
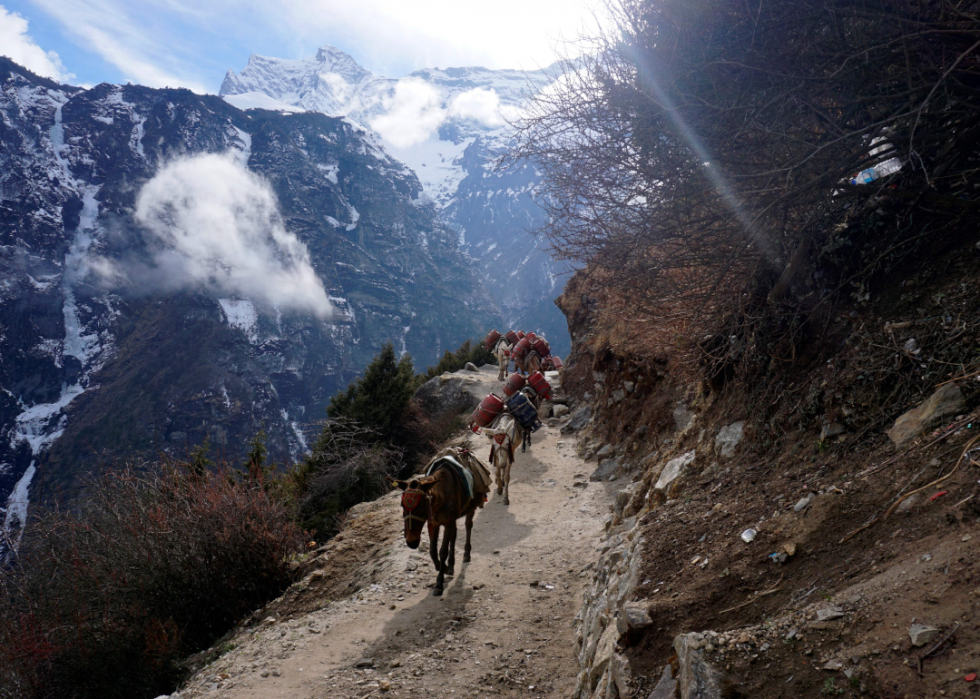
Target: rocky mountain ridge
[[95, 367], [450, 127]]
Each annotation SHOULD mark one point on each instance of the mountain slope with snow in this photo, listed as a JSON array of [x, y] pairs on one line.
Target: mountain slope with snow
[[449, 127], [115, 345]]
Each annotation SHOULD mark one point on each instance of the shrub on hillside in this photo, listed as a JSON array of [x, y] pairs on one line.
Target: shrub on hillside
[[380, 403], [363, 442], [469, 351], [105, 599], [347, 465], [377, 400]]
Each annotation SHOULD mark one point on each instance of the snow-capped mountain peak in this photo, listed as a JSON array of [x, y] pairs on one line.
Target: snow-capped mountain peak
[[426, 119], [447, 125]]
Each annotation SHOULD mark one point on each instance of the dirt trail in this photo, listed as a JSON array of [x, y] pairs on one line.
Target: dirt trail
[[504, 625]]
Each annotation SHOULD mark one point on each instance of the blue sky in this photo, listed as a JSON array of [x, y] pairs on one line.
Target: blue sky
[[191, 43]]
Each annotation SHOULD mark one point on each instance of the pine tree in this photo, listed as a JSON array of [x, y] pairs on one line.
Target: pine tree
[[378, 399]]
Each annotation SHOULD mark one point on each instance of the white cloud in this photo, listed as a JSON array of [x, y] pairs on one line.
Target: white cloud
[[191, 43], [18, 46], [482, 105], [220, 229], [394, 34], [338, 86], [144, 52], [413, 113]]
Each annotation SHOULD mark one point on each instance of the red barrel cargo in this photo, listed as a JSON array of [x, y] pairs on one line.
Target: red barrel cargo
[[514, 384], [521, 348], [540, 384], [486, 412], [490, 341], [540, 345], [512, 337]]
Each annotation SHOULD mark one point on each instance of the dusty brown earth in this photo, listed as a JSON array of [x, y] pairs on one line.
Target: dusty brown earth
[[504, 625]]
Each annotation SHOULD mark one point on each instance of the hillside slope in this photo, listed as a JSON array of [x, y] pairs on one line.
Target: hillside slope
[[782, 542]]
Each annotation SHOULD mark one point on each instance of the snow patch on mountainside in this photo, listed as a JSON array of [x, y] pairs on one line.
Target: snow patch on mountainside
[[16, 517], [241, 314], [260, 100], [41, 424], [437, 164]]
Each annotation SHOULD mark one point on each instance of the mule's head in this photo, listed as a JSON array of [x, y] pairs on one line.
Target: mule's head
[[415, 508]]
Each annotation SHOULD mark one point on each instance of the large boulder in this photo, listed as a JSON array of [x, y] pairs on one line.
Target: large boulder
[[634, 618], [728, 438], [667, 686], [607, 467], [698, 679], [604, 652], [948, 400], [578, 420], [673, 470], [444, 395]]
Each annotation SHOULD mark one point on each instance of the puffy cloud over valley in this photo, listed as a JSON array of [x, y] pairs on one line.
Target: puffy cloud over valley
[[216, 226], [415, 111]]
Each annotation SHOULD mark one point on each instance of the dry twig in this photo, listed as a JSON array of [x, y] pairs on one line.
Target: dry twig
[[771, 590]]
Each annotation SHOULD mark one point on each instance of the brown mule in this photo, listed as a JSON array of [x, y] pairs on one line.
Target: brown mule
[[529, 363], [438, 500]]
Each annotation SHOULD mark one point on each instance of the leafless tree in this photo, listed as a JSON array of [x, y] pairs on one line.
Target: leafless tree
[[699, 149]]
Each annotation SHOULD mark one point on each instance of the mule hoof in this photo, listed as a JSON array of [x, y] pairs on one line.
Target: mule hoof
[[466, 558], [500, 490], [437, 592], [450, 573], [506, 501]]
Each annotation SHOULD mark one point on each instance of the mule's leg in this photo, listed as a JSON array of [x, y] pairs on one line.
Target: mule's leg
[[524, 440], [441, 564], [507, 481], [469, 530], [497, 469], [434, 544], [451, 538]]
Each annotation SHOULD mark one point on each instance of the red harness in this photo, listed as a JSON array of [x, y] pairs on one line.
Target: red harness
[[411, 499]]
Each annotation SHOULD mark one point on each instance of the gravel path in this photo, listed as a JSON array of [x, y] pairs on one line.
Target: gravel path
[[504, 626]]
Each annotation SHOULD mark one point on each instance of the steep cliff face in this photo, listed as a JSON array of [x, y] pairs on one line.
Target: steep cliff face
[[494, 212], [774, 518], [109, 352], [466, 111]]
